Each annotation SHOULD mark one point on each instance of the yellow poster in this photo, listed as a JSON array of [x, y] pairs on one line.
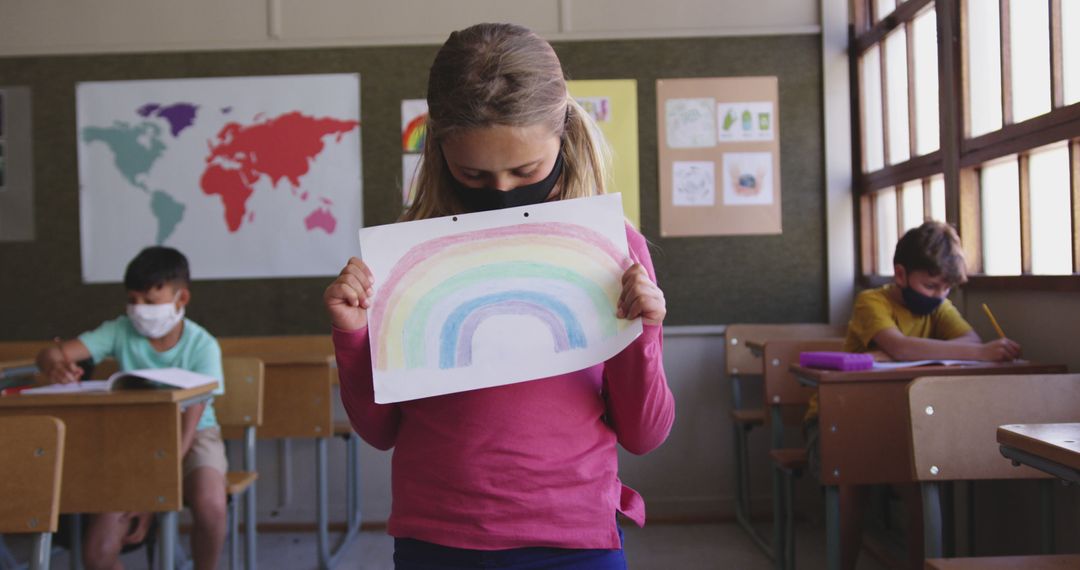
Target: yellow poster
[[613, 104]]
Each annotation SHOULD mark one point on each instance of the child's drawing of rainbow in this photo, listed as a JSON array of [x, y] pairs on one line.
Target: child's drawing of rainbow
[[565, 276], [412, 137]]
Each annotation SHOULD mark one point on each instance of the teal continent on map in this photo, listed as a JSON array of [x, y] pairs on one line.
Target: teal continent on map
[[282, 147], [135, 148]]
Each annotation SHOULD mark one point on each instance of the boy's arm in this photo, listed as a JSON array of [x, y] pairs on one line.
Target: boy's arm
[[965, 347], [58, 361], [189, 420]]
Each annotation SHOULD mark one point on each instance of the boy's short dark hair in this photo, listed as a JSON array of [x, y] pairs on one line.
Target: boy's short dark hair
[[155, 266], [934, 248]]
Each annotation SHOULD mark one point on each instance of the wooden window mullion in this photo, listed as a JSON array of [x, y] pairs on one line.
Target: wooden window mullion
[[913, 133], [883, 67], [1074, 193], [1006, 63], [970, 218], [867, 234], [1025, 213], [1057, 69], [953, 89], [927, 200], [898, 197]]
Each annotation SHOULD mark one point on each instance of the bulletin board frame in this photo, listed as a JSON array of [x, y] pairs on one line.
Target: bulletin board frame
[[737, 146]]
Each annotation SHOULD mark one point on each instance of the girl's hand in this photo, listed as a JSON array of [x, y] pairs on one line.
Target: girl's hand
[[641, 297], [348, 298]]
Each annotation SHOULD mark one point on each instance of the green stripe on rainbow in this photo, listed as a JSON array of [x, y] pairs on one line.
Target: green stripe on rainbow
[[572, 259]]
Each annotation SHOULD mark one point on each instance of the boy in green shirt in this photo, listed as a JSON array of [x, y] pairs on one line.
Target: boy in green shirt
[[908, 319], [155, 334]]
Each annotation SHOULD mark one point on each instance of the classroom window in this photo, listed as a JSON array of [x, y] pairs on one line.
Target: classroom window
[[1029, 43], [873, 132], [927, 125], [999, 189], [896, 85], [1008, 177], [886, 224], [983, 66], [1070, 46]]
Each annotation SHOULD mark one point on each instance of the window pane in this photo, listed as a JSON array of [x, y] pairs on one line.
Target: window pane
[[913, 205], [1070, 40], [885, 229], [1001, 218], [896, 83], [884, 8], [873, 137], [984, 66], [1051, 225], [926, 82], [937, 198], [1030, 45]]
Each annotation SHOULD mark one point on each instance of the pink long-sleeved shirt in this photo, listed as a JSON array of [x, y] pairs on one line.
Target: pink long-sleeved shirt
[[528, 464]]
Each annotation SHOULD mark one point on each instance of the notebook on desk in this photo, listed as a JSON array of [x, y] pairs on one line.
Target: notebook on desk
[[932, 362], [148, 379]]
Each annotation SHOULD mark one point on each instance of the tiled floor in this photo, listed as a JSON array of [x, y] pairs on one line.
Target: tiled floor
[[656, 547]]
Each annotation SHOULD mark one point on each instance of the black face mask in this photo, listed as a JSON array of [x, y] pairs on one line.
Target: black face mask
[[918, 303], [484, 199]]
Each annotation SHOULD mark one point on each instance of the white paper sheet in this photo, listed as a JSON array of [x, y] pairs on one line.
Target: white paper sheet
[[494, 298]]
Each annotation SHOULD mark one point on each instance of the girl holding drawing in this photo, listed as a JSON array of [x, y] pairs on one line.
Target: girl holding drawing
[[525, 474]]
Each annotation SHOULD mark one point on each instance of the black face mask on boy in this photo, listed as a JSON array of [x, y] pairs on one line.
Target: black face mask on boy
[[484, 199]]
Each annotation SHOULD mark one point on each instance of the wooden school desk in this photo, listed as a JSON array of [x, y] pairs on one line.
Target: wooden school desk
[[863, 420], [300, 377], [1053, 448], [121, 452]]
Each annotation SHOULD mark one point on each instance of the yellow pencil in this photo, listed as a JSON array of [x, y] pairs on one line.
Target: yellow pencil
[[993, 321]]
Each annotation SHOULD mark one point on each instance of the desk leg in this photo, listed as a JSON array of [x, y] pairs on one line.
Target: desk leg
[[39, 559], [932, 526], [250, 521], [167, 531], [284, 472], [76, 542], [322, 506], [1046, 494], [832, 527]]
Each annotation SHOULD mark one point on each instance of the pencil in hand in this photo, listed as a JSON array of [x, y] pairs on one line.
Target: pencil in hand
[[993, 321]]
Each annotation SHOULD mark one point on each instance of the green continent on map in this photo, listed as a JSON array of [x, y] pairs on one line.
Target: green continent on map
[[135, 148], [168, 212]]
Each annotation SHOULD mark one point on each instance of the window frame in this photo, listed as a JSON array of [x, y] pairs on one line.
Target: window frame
[[958, 157]]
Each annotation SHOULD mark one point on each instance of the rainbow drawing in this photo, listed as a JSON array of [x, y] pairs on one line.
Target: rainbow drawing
[[562, 275], [412, 136]]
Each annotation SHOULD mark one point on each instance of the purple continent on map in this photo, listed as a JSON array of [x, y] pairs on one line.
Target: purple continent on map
[[179, 115]]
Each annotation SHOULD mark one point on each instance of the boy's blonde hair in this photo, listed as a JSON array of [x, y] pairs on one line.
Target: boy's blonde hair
[[503, 75]]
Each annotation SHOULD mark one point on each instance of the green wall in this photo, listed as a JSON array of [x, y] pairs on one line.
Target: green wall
[[707, 281]]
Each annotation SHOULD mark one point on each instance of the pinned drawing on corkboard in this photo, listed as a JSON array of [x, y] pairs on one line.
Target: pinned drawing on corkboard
[[719, 156]]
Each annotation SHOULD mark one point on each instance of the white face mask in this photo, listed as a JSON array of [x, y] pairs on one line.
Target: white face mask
[[155, 321]]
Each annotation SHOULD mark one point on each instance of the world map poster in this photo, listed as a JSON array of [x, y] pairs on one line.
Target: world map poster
[[247, 176]]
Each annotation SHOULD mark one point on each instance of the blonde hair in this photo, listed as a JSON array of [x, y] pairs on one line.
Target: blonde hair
[[503, 75]]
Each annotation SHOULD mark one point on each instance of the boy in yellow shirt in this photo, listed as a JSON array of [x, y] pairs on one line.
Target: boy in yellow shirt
[[909, 319]]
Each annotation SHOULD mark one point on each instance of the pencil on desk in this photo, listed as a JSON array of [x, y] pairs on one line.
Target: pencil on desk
[[993, 321]]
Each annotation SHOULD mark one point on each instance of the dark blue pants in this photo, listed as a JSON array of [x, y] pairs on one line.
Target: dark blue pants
[[412, 554]]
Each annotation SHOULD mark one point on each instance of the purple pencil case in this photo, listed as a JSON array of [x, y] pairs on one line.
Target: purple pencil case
[[831, 360]]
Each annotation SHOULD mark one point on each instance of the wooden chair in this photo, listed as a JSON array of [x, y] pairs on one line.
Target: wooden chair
[[954, 420], [741, 364], [32, 453], [786, 401], [240, 412]]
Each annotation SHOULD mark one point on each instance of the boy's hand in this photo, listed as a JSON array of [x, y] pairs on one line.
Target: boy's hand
[[348, 298], [1000, 350], [56, 368], [641, 297]]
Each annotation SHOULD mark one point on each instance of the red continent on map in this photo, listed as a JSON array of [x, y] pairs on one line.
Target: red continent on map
[[282, 147]]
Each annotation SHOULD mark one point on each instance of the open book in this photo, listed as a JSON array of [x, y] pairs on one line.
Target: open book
[[150, 378], [937, 362]]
